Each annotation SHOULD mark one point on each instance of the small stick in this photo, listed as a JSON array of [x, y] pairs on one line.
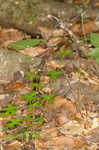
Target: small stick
[[80, 45]]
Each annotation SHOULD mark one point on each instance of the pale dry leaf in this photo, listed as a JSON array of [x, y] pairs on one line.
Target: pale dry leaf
[[15, 145], [56, 41], [45, 32], [53, 64], [62, 118], [58, 101], [85, 28], [46, 90], [33, 51], [44, 79], [10, 34]]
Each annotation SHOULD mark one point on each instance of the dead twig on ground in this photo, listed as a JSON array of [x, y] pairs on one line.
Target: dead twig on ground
[[80, 46]]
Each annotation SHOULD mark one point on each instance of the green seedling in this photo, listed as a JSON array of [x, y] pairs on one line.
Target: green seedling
[[31, 97], [28, 58], [78, 71], [70, 41], [35, 104], [63, 53], [10, 110], [13, 123], [35, 135], [28, 118], [54, 74], [48, 98], [84, 39], [37, 85], [40, 120]]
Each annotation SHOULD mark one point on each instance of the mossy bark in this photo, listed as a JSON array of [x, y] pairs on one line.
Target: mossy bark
[[28, 15]]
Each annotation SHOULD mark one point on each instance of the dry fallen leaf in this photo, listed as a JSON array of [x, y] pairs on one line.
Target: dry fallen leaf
[[44, 79], [10, 34], [46, 90], [53, 64], [55, 41], [14, 145], [33, 51], [78, 2], [85, 28], [15, 85]]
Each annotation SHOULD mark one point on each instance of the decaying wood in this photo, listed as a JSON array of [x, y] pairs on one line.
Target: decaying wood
[[29, 15]]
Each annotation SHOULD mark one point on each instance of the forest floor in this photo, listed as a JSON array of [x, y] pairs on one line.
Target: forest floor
[[56, 107]]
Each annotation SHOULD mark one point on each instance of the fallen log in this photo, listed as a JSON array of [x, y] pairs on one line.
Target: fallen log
[[30, 15]]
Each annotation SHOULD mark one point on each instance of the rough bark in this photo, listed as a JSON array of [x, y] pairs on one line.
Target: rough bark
[[28, 15]]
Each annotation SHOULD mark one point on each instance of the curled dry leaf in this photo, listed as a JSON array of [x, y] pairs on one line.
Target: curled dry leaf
[[33, 51]]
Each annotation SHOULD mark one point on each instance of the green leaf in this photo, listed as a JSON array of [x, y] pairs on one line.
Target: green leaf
[[39, 120], [94, 39], [48, 98], [28, 118], [62, 53], [30, 97], [53, 74], [78, 71], [13, 123], [95, 53], [36, 104], [24, 44], [35, 135], [37, 85], [28, 58], [10, 110], [26, 134]]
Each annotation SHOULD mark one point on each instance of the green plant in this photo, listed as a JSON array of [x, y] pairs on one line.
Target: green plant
[[13, 123], [94, 39], [63, 53], [54, 74], [48, 98], [24, 125], [78, 71], [10, 110], [84, 39], [24, 44]]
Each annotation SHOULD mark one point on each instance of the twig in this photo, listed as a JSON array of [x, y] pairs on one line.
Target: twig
[[80, 45]]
